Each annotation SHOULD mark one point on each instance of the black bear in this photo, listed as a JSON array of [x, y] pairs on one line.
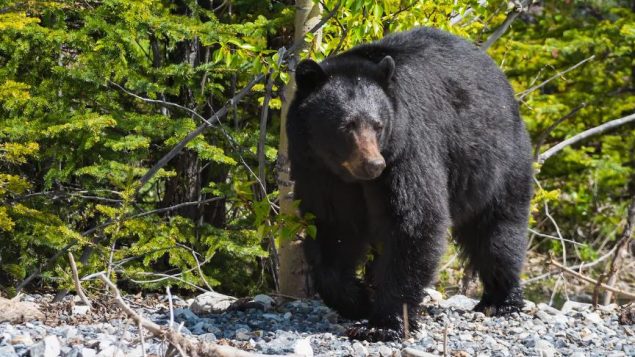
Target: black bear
[[391, 144]]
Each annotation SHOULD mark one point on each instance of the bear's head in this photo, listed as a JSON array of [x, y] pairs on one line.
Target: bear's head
[[346, 112]]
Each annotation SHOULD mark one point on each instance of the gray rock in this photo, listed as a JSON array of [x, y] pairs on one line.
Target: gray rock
[[80, 309], [74, 352], [544, 348], [211, 302], [21, 340], [411, 352], [207, 337], [384, 351], [548, 309], [48, 347], [460, 302], [302, 347], [434, 295], [111, 351], [594, 318], [359, 350], [529, 306], [265, 300], [7, 351], [243, 334], [571, 305], [185, 314]]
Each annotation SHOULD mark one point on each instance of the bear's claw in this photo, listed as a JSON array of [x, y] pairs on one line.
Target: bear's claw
[[372, 334]]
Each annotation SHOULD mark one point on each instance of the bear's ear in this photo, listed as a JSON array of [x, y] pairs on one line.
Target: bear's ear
[[387, 66], [309, 74]]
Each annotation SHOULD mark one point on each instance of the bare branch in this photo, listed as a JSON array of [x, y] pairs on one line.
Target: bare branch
[[622, 246], [500, 31], [586, 134], [543, 136], [78, 285], [592, 281], [189, 347], [554, 237], [576, 267], [524, 93]]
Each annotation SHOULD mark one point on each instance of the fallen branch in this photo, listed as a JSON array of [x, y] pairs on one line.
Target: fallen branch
[[78, 285], [190, 347], [593, 281], [576, 267], [622, 246], [586, 134]]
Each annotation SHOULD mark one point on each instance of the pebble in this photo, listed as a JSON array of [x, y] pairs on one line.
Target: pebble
[[308, 328], [48, 347], [544, 348], [460, 302]]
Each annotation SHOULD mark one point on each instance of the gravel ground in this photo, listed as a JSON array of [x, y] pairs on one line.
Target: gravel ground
[[307, 327]]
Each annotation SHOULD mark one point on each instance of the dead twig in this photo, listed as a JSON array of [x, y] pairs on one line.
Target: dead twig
[[592, 281], [524, 93], [183, 344], [78, 285], [622, 247], [500, 31]]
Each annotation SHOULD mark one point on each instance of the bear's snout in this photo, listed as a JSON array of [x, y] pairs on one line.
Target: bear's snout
[[374, 167]]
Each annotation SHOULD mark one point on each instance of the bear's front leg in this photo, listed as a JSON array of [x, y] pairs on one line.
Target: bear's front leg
[[413, 241]]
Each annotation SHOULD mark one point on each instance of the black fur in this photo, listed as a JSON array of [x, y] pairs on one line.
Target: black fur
[[457, 155]]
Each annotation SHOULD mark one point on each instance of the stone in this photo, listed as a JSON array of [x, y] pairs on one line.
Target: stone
[[243, 334], [384, 351], [571, 305], [265, 300], [21, 340], [18, 311], [359, 350], [411, 352], [48, 347], [460, 302], [544, 348], [548, 309], [594, 318], [80, 309], [211, 302], [529, 306], [7, 351], [302, 347], [111, 351], [433, 294], [185, 314]]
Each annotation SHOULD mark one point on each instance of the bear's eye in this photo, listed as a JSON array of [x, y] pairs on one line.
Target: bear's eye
[[351, 125], [378, 125]]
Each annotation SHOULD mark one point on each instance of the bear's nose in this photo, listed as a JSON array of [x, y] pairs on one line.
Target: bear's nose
[[374, 167]]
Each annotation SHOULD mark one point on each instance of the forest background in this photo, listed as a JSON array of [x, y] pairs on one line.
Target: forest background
[[93, 94]]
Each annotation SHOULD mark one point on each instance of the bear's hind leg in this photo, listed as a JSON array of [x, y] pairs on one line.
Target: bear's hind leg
[[494, 245]]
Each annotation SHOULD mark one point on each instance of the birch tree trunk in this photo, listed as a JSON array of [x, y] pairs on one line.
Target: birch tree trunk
[[294, 279]]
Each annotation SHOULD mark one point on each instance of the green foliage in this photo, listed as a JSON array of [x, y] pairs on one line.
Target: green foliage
[[73, 144]]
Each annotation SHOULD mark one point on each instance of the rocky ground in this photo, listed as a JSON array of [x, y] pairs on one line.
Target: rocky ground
[[272, 326]]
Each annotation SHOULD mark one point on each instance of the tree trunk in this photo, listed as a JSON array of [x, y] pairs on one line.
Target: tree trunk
[[293, 275]]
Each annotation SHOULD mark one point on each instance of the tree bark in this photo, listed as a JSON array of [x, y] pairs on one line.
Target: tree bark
[[293, 275]]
